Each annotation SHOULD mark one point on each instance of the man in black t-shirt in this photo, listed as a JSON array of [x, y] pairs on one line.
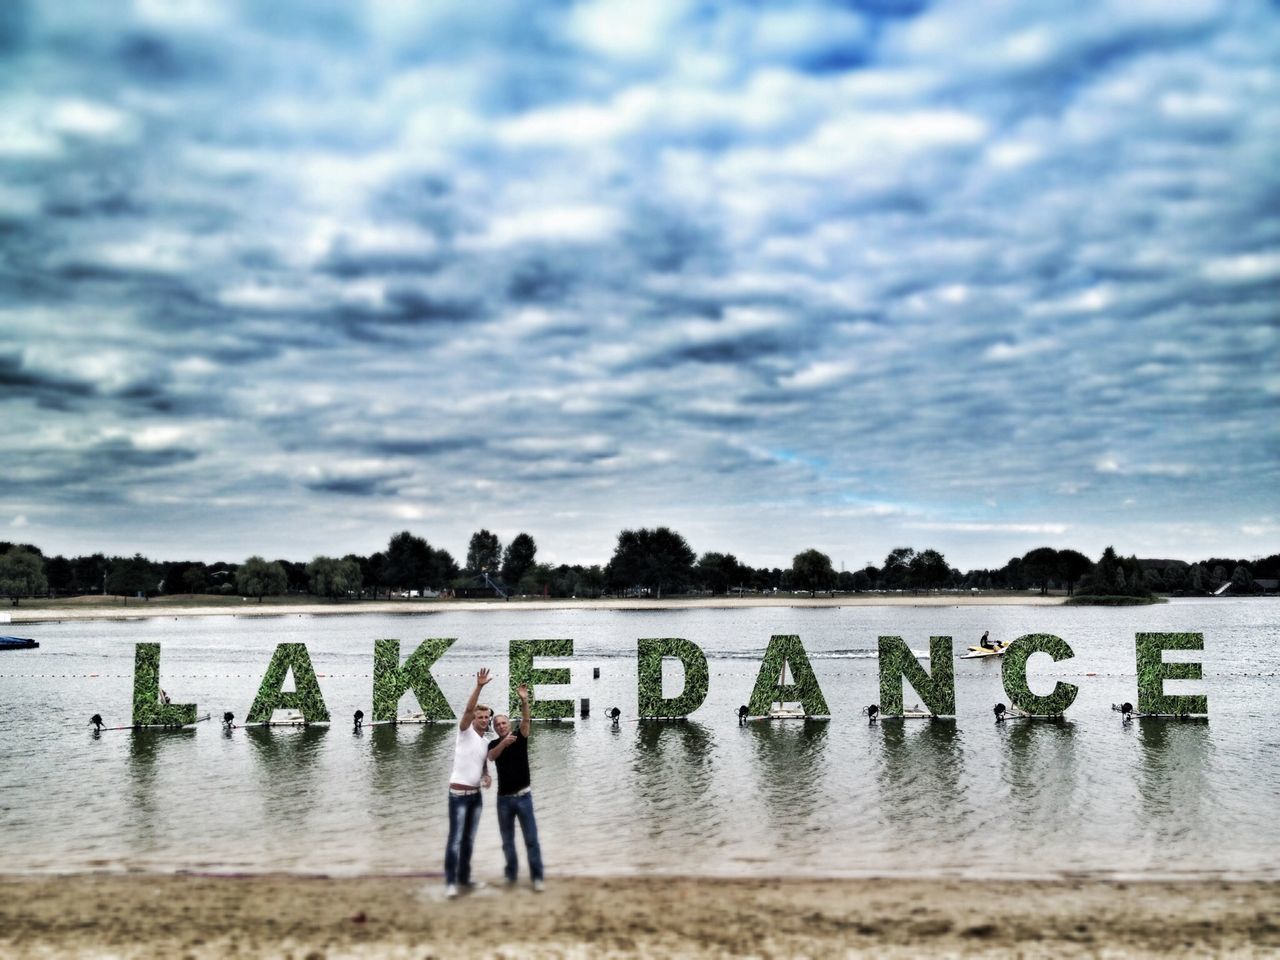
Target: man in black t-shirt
[[510, 754]]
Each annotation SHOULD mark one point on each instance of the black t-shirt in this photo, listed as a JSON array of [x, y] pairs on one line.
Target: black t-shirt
[[512, 764]]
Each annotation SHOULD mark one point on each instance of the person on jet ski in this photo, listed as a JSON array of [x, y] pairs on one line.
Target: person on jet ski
[[985, 642]]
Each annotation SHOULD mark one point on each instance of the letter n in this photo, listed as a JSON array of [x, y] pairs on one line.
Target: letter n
[[897, 662]]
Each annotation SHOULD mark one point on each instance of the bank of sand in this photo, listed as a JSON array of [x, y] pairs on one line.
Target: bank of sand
[[150, 915], [96, 609]]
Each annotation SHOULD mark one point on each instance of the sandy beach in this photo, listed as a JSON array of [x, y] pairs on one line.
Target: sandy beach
[[150, 915], [94, 608]]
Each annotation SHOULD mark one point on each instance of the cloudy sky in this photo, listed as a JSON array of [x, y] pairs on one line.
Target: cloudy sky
[[288, 277]]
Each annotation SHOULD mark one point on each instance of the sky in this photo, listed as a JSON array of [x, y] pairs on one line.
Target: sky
[[286, 278]]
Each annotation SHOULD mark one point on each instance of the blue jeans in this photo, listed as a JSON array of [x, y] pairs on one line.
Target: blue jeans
[[464, 821], [511, 809]]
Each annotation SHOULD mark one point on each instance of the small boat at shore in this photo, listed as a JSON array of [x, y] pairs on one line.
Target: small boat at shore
[[17, 643]]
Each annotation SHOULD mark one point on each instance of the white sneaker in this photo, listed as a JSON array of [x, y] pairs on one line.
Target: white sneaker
[[537, 886], [451, 891]]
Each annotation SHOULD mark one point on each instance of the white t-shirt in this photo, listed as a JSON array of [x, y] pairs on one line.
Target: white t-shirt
[[469, 756]]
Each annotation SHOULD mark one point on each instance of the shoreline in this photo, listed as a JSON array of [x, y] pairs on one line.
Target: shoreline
[[154, 609], [147, 915]]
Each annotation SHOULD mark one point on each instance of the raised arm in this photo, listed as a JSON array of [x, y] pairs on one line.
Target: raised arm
[[522, 692], [469, 712]]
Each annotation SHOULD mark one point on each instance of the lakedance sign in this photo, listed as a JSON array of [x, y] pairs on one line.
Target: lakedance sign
[[392, 679]]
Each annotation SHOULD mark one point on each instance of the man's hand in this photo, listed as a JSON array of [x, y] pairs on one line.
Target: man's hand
[[507, 741], [483, 677], [486, 781], [522, 691]]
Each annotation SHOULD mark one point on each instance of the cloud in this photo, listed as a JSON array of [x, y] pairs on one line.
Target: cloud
[[1048, 529], [459, 261]]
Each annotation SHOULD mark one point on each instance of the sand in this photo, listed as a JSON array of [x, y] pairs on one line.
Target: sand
[[94, 608], [154, 915]]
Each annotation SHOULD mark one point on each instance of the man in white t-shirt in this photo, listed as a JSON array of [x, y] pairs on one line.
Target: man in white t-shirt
[[470, 773]]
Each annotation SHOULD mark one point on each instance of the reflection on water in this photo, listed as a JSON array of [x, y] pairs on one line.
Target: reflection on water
[[671, 770], [1039, 783], [789, 770], [148, 752], [923, 790], [288, 770], [1173, 777], [706, 796]]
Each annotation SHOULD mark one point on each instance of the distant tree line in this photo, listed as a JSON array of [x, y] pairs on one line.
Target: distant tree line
[[646, 562]]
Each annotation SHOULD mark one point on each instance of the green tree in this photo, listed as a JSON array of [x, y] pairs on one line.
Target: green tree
[[410, 563], [60, 573], [129, 576], [22, 574], [1242, 579], [1106, 576], [718, 572], [1072, 565], [897, 568], [811, 570], [518, 558], [193, 580], [259, 578], [332, 578], [1039, 566], [928, 570], [484, 553], [655, 559]]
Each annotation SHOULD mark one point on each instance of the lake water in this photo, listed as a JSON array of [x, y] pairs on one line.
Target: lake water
[[706, 797]]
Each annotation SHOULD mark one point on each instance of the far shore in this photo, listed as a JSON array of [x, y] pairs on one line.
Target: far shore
[[155, 915], [119, 608]]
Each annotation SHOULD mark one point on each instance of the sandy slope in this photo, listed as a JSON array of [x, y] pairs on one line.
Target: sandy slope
[[150, 915], [136, 609]]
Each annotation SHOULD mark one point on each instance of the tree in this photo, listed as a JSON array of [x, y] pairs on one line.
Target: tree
[[1072, 565], [334, 578], [258, 578], [372, 572], [896, 569], [193, 580], [409, 564], [1242, 579], [811, 570], [717, 572], [60, 573], [928, 570], [484, 553], [90, 573], [22, 574], [1039, 565], [1198, 578], [518, 558], [651, 559], [129, 576]]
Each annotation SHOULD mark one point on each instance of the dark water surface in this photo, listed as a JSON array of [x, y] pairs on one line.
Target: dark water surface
[[704, 797]]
